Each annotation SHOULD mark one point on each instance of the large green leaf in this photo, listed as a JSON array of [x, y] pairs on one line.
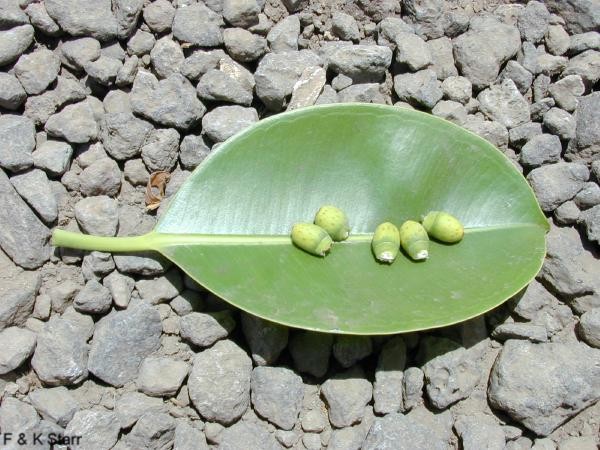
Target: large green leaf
[[228, 226]]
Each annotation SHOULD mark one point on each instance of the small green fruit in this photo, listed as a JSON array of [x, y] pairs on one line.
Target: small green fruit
[[443, 227], [414, 240], [334, 221], [386, 242], [311, 238]]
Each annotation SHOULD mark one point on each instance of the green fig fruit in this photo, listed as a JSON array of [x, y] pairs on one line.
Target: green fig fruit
[[334, 221], [386, 242], [444, 227], [414, 240], [311, 238]]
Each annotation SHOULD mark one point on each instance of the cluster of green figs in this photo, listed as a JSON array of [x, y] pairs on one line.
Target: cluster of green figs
[[331, 224]]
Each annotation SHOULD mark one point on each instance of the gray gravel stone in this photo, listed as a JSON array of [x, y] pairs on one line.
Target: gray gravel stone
[[580, 15], [161, 376], [538, 109], [556, 183], [589, 327], [541, 149], [153, 431], [458, 89], [398, 432], [37, 70], [586, 65], [123, 135], [561, 123], [159, 152], [216, 85], [584, 41], [198, 25], [17, 140], [412, 389], [159, 15], [99, 430], [518, 74], [24, 238], [16, 415], [533, 21], [362, 93], [84, 18], [102, 177], [422, 88], [480, 431], [53, 157], [171, 102], [348, 350], [265, 339], [144, 263], [133, 405], [522, 134], [14, 42], [96, 265], [387, 389], [569, 269], [586, 145], [225, 121], [241, 13], [200, 62], [34, 187], [75, 123], [589, 196], [412, 51], [362, 63], [245, 435], [590, 219], [543, 385], [12, 94], [566, 90], [192, 151], [61, 354], [189, 438], [451, 111], [442, 58], [344, 26], [504, 104], [557, 40], [17, 345], [481, 51], [166, 56], [242, 45], [283, 37], [78, 52], [103, 70], [94, 298], [120, 287], [204, 329], [117, 101], [140, 43], [567, 213], [277, 73], [277, 395], [127, 13], [54, 404], [311, 351], [11, 14], [453, 376], [97, 215], [347, 394], [121, 341], [219, 383], [534, 333]]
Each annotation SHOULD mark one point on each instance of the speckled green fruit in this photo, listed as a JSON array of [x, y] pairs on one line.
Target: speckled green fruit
[[386, 242], [444, 227], [311, 238], [334, 221], [414, 240]]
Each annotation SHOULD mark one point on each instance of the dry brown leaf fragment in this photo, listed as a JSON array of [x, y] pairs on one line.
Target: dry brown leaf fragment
[[155, 189]]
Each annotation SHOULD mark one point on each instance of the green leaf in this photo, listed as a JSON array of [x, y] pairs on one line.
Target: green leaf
[[228, 226]]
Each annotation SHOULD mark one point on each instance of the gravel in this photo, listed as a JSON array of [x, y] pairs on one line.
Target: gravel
[[130, 352]]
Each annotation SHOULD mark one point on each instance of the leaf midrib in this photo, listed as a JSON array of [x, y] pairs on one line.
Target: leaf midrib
[[158, 240]]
